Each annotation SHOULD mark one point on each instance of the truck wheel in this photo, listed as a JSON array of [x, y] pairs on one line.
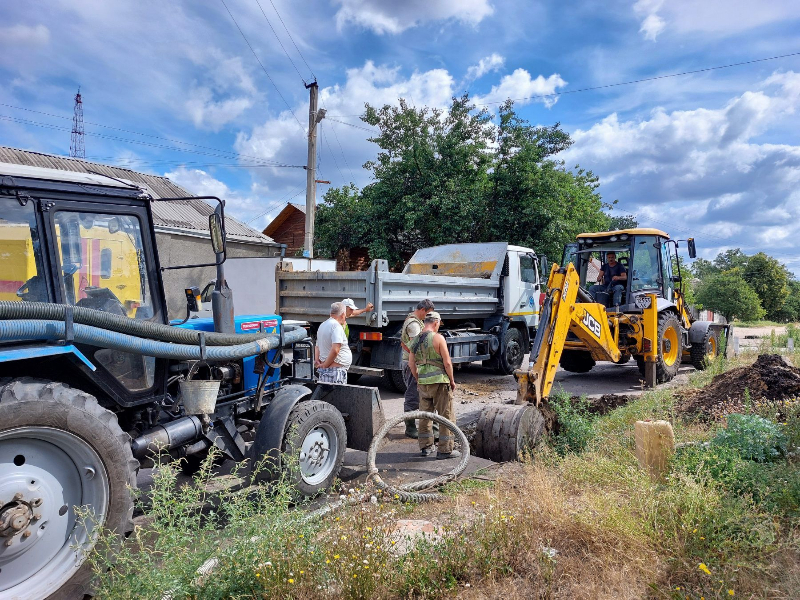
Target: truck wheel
[[59, 449], [670, 347], [577, 361], [394, 379], [316, 436], [706, 351], [511, 352]]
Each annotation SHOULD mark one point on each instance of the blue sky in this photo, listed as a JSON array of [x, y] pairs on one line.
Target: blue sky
[[714, 154]]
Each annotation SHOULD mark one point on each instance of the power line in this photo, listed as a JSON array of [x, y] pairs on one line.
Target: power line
[[216, 153], [351, 125], [291, 38], [325, 137], [344, 158], [272, 205], [280, 42], [263, 68], [611, 85]]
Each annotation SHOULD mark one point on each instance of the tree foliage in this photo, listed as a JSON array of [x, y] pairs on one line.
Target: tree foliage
[[730, 295], [769, 279], [456, 176]]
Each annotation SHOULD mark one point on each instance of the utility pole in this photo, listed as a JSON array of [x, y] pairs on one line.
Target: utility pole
[[314, 117]]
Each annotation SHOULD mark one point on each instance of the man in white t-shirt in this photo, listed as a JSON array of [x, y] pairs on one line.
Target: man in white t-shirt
[[332, 355]]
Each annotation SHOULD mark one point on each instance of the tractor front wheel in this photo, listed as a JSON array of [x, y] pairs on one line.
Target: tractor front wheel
[[705, 351], [66, 471], [670, 347]]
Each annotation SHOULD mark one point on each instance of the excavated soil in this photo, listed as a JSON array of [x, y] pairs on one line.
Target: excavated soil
[[605, 403], [771, 378]]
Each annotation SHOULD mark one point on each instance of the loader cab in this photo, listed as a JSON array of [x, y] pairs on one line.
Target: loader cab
[[644, 253]]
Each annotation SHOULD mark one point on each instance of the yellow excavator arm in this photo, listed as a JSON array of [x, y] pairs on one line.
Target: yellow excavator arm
[[568, 308]]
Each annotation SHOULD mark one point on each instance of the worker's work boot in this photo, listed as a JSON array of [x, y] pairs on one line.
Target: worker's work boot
[[427, 451], [446, 455], [411, 430]]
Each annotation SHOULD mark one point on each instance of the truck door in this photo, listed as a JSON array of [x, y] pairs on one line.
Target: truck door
[[526, 281]]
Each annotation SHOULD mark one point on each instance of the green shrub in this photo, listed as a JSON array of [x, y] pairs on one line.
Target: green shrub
[[576, 425], [753, 438]]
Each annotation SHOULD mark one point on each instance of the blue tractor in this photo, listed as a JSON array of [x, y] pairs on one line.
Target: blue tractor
[[94, 379]]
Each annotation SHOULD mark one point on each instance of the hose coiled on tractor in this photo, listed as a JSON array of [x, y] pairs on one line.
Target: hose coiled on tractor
[[410, 491], [120, 324], [20, 331]]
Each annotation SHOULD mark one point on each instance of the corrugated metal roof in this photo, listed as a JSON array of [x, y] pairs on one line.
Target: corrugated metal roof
[[189, 217]]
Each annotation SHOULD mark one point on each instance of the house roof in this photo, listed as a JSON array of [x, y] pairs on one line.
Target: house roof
[[287, 211], [188, 217]]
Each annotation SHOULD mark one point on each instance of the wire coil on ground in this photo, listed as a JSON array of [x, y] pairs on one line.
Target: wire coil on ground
[[412, 491]]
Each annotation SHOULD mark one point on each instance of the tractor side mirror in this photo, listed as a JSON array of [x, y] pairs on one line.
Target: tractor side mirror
[[217, 233], [676, 279], [692, 248]]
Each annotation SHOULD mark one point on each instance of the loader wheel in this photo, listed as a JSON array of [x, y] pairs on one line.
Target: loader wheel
[[316, 437], [59, 450], [393, 379], [706, 351], [577, 361], [511, 353], [670, 347]]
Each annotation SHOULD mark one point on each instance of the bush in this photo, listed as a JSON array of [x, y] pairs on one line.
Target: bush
[[575, 427], [753, 438]]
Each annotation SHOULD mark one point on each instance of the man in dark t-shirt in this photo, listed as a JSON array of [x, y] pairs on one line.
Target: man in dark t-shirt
[[612, 278]]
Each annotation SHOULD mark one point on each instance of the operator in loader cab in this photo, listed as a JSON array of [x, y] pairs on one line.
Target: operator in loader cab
[[611, 279]]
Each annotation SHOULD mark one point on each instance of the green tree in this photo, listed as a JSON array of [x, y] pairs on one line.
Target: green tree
[[770, 280], [730, 295], [702, 268], [731, 259], [623, 222], [454, 176], [790, 312]]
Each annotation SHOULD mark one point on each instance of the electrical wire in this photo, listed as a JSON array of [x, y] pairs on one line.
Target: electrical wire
[[325, 137], [263, 68], [272, 205], [351, 125], [655, 78], [344, 158], [291, 38], [280, 42]]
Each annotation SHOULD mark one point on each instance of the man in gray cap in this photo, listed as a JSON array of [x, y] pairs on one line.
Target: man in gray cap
[[410, 330], [430, 363]]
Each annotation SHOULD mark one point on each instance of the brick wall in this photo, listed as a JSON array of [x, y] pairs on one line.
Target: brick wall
[[291, 232]]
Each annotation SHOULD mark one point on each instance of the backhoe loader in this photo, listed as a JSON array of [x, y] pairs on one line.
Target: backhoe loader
[[651, 324]]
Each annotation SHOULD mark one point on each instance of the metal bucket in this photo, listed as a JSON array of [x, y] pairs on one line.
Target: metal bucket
[[199, 396]]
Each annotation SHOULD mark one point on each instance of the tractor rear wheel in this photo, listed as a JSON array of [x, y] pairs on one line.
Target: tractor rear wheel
[[670, 347], [705, 351], [576, 361], [66, 470], [393, 378]]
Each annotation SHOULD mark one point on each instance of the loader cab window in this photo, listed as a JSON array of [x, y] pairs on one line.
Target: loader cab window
[[666, 271], [102, 263], [646, 269], [21, 271]]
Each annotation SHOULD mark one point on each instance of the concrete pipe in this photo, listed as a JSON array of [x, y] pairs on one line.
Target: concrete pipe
[[505, 432]]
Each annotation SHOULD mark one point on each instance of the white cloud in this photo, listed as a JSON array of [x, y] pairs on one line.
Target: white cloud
[[652, 23], [521, 87], [492, 62], [38, 35], [395, 17], [206, 113], [704, 169]]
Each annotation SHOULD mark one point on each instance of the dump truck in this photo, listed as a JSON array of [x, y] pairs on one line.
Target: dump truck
[[487, 294], [94, 380]]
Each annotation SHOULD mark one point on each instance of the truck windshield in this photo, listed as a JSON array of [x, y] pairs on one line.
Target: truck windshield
[[646, 273], [20, 254]]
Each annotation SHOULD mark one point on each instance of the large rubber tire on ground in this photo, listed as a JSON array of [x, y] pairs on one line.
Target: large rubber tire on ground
[[705, 351], [317, 437], [511, 354], [59, 449], [670, 347], [577, 361], [393, 379]]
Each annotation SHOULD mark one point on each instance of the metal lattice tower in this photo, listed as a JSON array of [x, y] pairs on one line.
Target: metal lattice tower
[[76, 145]]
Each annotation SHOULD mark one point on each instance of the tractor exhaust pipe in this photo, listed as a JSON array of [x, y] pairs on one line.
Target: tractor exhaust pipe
[[169, 436]]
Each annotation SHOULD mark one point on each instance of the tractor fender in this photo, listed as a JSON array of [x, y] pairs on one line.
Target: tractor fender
[[271, 429]]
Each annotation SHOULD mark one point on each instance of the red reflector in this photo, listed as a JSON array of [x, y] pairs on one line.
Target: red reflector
[[542, 296], [374, 336], [647, 345]]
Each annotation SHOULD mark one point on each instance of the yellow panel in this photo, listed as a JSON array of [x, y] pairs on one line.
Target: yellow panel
[[641, 231]]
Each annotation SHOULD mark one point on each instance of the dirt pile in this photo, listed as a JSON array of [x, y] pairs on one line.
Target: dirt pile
[[605, 403], [770, 379]]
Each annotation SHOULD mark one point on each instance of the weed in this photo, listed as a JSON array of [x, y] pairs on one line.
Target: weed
[[753, 438], [575, 424]]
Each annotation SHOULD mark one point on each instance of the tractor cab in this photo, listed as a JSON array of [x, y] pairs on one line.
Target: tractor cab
[[644, 254]]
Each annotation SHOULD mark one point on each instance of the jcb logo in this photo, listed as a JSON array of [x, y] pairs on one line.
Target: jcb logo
[[592, 324]]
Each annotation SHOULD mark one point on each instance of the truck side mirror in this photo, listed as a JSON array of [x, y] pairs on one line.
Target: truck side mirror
[[217, 233], [692, 248], [544, 266]]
